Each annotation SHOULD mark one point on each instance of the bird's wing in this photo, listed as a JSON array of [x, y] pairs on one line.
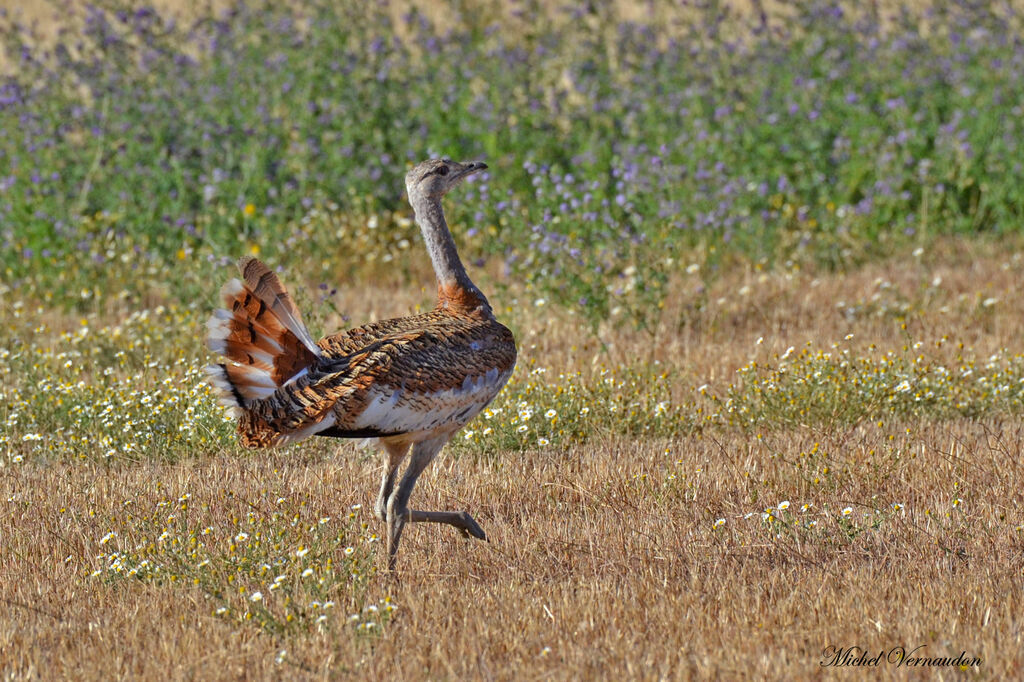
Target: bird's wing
[[406, 382]]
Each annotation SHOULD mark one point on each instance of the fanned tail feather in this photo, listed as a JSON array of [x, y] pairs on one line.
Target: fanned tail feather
[[260, 331]]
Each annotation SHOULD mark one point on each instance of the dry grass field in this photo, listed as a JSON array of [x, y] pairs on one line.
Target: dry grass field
[[625, 557]]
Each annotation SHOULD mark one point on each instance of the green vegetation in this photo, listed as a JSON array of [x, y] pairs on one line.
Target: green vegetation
[[621, 152]]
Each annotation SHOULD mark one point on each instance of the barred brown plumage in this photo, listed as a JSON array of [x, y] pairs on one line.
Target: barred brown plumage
[[411, 382]]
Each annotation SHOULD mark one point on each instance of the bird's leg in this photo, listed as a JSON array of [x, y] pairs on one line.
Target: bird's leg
[[399, 514], [393, 453], [461, 520]]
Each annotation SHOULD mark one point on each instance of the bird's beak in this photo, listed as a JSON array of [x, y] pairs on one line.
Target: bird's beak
[[472, 167]]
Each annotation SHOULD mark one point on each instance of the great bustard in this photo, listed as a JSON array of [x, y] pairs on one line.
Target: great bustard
[[409, 382]]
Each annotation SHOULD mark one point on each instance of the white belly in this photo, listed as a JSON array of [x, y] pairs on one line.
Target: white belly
[[422, 414]]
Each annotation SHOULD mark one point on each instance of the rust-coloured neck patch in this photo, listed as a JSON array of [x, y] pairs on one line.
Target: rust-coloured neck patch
[[454, 295]]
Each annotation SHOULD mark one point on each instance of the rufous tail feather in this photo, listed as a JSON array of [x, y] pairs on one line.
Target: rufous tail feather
[[260, 331]]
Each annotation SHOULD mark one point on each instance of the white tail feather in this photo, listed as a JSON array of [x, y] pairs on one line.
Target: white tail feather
[[325, 423]]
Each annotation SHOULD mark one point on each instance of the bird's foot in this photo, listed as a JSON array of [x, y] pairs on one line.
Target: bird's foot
[[380, 510], [470, 527]]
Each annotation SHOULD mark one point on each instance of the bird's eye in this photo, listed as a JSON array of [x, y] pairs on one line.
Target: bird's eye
[[442, 170]]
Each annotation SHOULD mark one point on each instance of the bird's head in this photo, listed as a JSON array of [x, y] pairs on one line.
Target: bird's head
[[433, 178]]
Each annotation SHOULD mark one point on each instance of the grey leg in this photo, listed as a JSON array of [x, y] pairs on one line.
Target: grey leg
[[461, 520], [393, 453], [398, 512]]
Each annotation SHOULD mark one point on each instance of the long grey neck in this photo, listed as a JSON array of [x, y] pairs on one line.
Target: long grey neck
[[441, 247]]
